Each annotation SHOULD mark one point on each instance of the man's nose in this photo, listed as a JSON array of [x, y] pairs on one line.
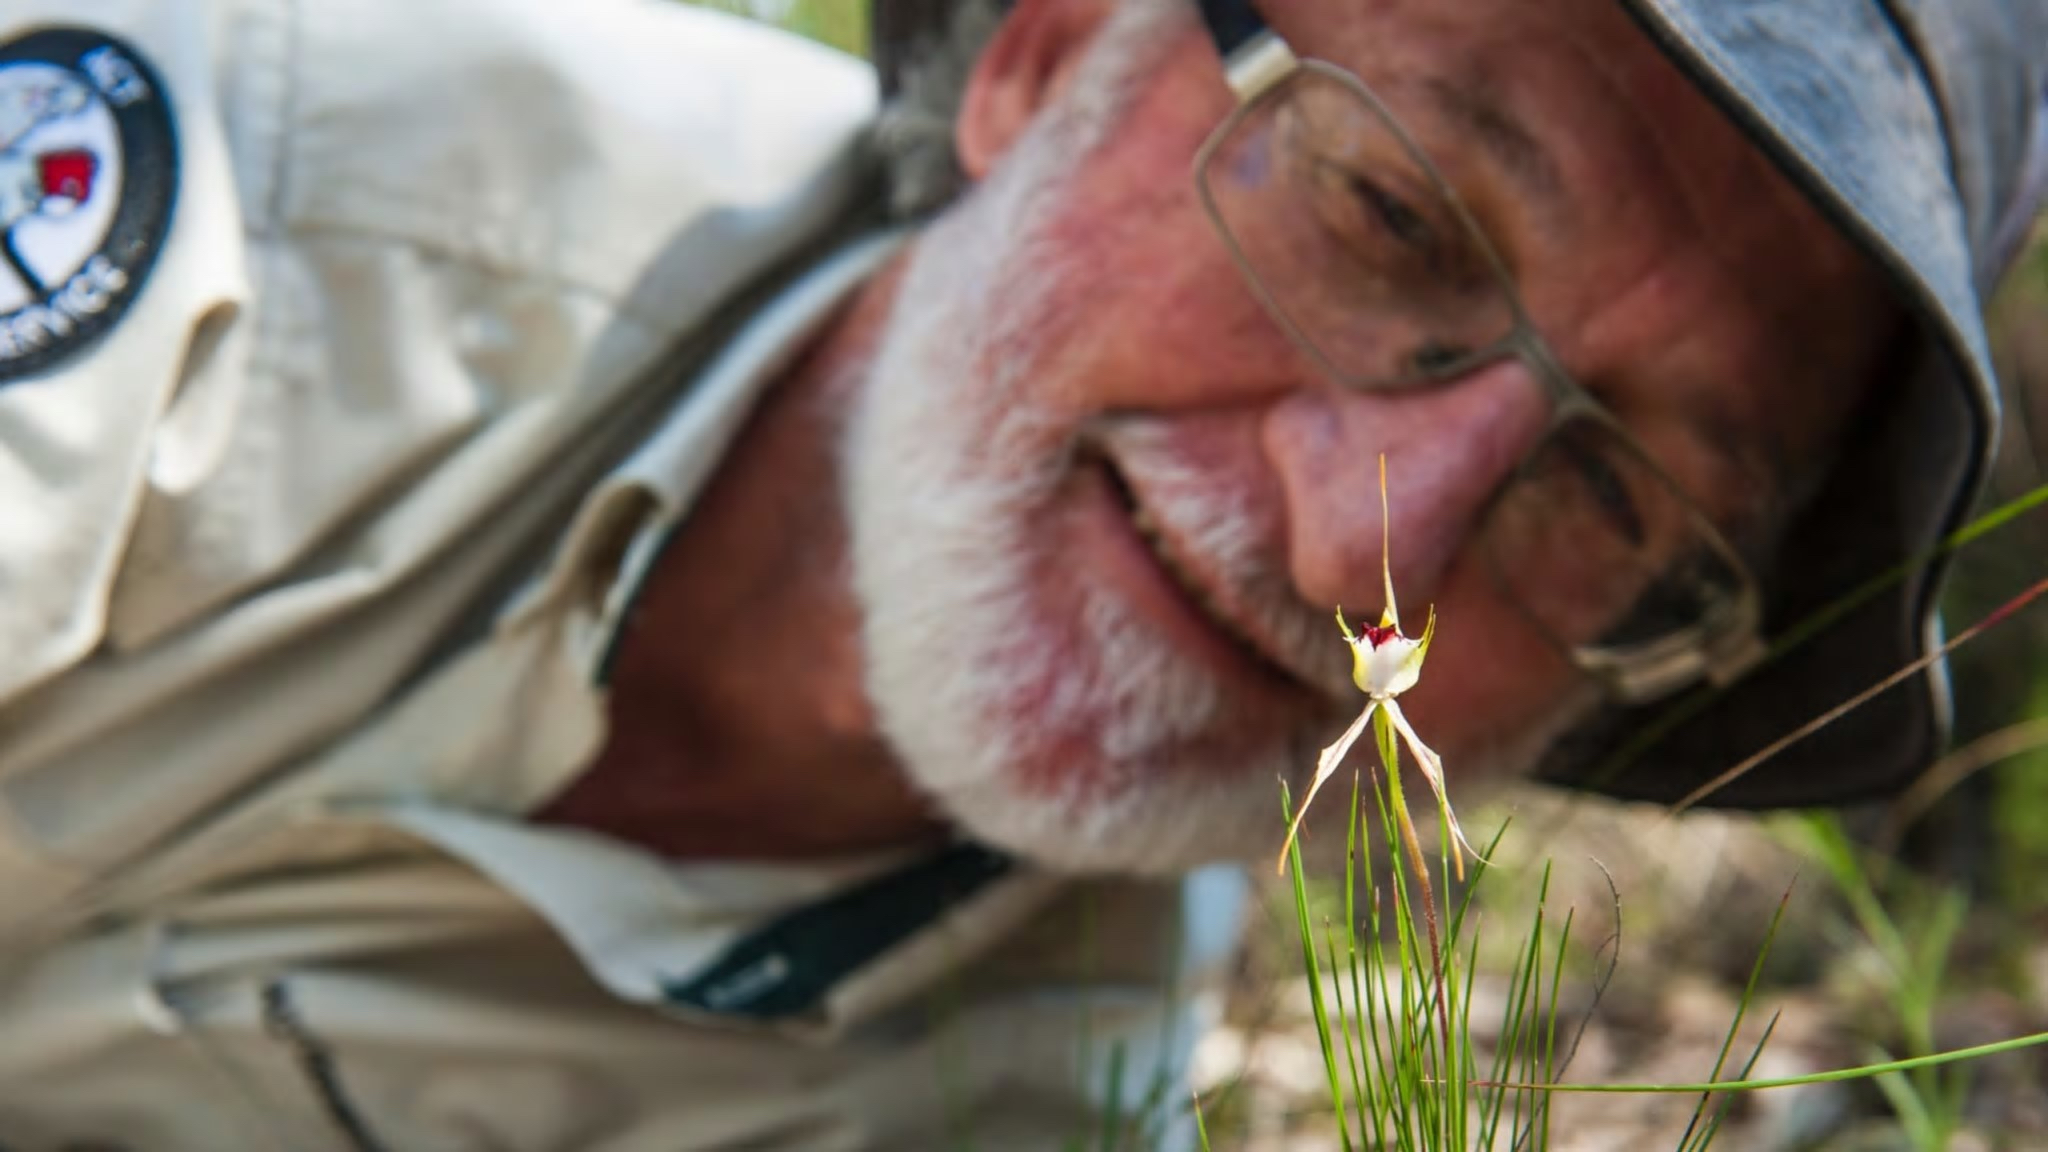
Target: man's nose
[[1449, 448]]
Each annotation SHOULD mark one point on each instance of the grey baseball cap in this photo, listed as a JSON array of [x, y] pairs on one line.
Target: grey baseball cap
[[1916, 127]]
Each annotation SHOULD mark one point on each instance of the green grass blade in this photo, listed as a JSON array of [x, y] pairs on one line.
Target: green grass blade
[[1727, 1100], [1346, 1032], [1112, 1112], [1499, 1101], [1365, 1099], [1541, 1118], [1756, 970], [1315, 976], [1831, 844], [1833, 1076], [1911, 1110]]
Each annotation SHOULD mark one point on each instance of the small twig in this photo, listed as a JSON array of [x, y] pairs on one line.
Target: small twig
[[1997, 616], [1958, 766], [1606, 979]]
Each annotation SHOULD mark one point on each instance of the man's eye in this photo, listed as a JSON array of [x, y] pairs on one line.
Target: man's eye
[[1435, 358], [1404, 222], [1368, 218], [1608, 491]]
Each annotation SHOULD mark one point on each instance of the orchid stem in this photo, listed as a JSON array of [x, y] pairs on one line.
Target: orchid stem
[[1390, 754]]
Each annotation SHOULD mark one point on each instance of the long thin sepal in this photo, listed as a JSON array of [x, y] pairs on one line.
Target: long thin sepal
[[1433, 770], [1392, 615], [1326, 766]]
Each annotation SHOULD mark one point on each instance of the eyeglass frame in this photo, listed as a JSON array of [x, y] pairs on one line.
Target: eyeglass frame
[[1258, 62]]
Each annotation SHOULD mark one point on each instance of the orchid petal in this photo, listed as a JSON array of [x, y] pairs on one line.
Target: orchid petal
[[1433, 770], [1344, 625], [1411, 657], [1384, 669], [1326, 766]]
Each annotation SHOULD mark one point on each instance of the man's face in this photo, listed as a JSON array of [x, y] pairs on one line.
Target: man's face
[[1102, 507]]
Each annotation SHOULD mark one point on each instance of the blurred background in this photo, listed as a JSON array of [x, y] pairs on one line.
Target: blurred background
[[841, 23], [1920, 926]]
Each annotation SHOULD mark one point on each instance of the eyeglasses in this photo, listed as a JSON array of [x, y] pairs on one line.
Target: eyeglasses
[[1366, 256]]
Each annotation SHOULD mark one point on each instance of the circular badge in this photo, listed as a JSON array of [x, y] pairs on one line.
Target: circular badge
[[88, 176]]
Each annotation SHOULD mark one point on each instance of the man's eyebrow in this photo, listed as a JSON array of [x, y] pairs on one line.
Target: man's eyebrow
[[1476, 107]]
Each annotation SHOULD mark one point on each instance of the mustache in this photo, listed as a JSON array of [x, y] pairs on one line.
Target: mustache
[[1216, 535]]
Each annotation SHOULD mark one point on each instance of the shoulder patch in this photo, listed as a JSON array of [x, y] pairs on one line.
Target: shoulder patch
[[88, 177]]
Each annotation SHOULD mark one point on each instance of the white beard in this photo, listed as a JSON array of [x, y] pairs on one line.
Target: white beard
[[1062, 727], [947, 465]]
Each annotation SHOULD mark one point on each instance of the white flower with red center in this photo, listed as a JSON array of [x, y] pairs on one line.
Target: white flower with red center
[[1385, 662]]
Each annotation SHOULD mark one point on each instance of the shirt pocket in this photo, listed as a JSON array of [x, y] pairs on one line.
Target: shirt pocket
[[123, 245]]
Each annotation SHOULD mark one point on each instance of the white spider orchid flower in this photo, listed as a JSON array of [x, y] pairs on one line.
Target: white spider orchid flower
[[1385, 662]]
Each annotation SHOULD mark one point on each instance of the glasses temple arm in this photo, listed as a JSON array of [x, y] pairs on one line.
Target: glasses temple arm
[[1254, 59]]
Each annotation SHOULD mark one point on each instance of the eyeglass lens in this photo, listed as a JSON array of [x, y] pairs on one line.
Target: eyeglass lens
[[1356, 247], [1346, 234], [1600, 549]]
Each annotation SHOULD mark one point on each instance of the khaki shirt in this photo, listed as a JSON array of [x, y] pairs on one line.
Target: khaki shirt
[[355, 359]]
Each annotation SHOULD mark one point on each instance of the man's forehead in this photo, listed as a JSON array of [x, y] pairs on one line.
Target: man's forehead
[[1370, 28], [1470, 68], [1474, 104]]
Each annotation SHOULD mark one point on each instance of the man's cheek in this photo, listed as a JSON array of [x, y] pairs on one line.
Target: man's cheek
[[1491, 678], [1157, 303]]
